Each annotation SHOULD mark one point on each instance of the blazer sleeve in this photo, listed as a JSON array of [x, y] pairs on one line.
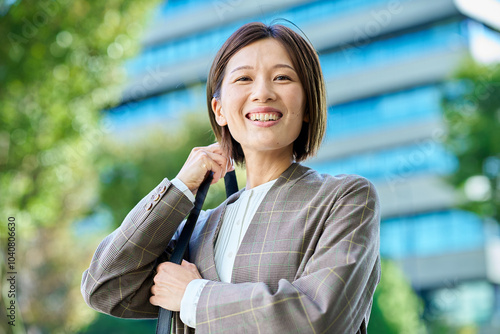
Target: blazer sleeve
[[332, 295], [120, 276]]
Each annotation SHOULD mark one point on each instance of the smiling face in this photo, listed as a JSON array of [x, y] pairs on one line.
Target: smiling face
[[262, 100]]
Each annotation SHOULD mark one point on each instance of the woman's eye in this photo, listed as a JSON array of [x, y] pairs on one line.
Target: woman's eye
[[283, 77], [243, 79]]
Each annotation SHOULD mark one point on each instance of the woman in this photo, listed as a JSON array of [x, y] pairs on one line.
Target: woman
[[295, 251]]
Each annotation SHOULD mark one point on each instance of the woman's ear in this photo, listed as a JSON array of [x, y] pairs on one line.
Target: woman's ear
[[306, 113], [219, 114], [306, 117]]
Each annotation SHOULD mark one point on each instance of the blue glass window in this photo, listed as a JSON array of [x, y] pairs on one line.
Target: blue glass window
[[418, 104], [206, 43], [426, 157], [167, 106], [431, 234], [412, 45]]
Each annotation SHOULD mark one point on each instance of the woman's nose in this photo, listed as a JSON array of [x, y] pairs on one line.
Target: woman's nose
[[263, 91]]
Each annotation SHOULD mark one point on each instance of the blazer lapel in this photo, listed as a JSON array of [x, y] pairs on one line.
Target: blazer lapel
[[248, 262], [246, 266]]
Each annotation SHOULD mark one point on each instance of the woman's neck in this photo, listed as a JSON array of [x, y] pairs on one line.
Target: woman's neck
[[264, 168]]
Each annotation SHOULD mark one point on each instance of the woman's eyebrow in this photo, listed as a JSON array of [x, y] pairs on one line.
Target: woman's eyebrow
[[247, 67], [284, 65], [244, 67]]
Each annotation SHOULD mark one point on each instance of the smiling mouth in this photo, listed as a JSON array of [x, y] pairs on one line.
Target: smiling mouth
[[264, 117]]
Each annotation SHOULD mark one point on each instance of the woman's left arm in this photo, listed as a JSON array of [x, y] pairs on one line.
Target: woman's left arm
[[334, 294]]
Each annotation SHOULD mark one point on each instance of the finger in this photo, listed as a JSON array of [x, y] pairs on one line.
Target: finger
[[213, 152], [185, 263], [200, 161], [217, 164], [214, 148], [230, 165], [155, 290], [164, 266], [217, 148], [154, 301], [217, 156], [156, 278]]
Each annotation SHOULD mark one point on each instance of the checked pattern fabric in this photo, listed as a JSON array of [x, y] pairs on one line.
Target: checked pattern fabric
[[308, 263]]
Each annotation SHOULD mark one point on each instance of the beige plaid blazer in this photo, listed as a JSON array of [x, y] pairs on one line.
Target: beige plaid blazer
[[309, 262]]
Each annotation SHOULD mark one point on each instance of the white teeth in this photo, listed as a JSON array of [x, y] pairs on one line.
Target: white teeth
[[264, 117]]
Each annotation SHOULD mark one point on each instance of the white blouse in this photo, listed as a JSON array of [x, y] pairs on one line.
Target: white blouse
[[236, 220]]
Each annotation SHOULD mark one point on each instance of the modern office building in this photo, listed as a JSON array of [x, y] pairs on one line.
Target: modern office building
[[386, 64]]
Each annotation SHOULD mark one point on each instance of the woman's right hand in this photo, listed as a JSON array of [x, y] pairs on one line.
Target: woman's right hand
[[200, 161]]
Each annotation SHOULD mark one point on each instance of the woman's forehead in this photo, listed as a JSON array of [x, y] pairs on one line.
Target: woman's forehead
[[266, 52]]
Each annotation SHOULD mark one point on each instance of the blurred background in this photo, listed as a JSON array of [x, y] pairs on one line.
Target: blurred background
[[100, 100]]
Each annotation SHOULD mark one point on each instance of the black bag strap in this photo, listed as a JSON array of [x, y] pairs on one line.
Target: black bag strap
[[164, 323]]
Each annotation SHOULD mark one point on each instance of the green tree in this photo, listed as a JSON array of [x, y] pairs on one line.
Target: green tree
[[472, 115], [396, 309], [60, 62]]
